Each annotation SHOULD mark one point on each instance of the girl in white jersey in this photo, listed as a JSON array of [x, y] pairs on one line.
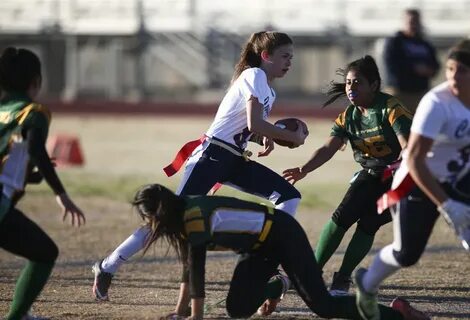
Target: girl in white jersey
[[434, 178], [220, 156]]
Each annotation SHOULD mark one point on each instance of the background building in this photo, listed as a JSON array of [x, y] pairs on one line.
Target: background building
[[185, 50]]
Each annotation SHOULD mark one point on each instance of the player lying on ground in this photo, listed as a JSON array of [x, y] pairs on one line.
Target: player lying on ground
[[265, 237]]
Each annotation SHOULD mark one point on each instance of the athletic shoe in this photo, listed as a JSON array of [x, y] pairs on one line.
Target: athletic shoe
[[407, 311], [102, 282], [366, 302], [269, 306], [340, 285]]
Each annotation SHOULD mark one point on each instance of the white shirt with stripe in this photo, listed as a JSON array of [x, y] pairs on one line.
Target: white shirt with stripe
[[230, 123], [442, 117]]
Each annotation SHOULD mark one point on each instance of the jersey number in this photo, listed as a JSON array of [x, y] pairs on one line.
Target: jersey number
[[374, 146]]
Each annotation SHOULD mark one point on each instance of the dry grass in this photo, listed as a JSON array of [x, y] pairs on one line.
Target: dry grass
[[122, 153]]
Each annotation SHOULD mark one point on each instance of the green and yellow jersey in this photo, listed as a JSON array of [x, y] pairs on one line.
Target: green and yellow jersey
[[217, 224], [373, 137], [18, 114], [226, 223]]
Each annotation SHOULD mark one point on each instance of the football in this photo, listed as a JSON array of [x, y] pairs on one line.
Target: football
[[290, 124]]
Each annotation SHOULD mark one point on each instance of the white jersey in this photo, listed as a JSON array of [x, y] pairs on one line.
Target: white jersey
[[230, 123], [443, 118]]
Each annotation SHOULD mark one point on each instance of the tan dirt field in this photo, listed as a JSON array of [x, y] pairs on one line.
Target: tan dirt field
[[122, 153]]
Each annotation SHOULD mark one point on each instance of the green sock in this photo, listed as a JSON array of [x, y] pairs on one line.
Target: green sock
[[32, 279], [274, 288], [358, 248], [330, 238]]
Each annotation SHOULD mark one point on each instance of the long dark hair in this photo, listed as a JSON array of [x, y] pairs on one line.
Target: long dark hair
[[251, 52], [162, 210], [18, 69], [366, 66]]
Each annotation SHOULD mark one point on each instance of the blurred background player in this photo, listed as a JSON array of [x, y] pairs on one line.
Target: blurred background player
[[24, 126], [207, 222], [437, 159], [410, 61], [220, 156], [377, 126]]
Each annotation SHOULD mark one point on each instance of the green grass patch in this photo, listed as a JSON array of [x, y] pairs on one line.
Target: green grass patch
[[123, 187]]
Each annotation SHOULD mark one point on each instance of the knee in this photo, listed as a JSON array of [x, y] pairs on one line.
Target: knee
[[341, 220], [49, 255], [288, 194], [238, 311], [324, 311]]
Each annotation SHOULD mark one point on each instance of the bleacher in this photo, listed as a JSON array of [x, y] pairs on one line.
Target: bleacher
[[358, 17], [138, 49]]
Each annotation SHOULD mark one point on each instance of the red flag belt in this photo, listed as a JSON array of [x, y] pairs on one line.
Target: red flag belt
[[393, 196], [183, 155]]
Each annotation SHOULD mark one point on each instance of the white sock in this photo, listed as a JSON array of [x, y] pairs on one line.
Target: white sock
[[127, 249], [383, 266], [289, 206]]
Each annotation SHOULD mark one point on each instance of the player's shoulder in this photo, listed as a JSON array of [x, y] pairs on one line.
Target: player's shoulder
[[253, 73], [440, 94], [35, 107]]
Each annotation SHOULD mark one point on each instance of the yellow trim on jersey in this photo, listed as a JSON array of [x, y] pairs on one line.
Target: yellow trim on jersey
[[194, 226], [396, 110], [21, 116], [194, 213], [266, 229], [341, 119]]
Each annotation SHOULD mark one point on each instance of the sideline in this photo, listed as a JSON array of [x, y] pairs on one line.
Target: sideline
[[179, 108]]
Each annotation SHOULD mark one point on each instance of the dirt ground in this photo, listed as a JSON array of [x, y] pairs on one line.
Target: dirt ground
[[147, 287]]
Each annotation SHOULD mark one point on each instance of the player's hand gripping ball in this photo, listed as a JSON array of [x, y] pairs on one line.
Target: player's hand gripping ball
[[291, 124]]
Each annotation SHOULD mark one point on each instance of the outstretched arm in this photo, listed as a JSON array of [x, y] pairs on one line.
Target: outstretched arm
[[41, 159], [319, 157]]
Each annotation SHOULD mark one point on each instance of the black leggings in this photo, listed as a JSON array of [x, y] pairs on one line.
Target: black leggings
[[415, 216], [359, 204], [22, 237], [287, 245]]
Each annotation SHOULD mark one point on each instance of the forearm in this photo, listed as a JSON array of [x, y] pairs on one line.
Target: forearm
[[266, 129], [42, 161], [424, 179], [319, 157], [197, 308], [183, 300]]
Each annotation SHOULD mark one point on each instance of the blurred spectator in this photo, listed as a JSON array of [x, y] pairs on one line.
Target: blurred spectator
[[410, 61]]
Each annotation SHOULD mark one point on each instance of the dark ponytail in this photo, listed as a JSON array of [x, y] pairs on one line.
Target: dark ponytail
[[366, 66], [18, 69], [162, 210]]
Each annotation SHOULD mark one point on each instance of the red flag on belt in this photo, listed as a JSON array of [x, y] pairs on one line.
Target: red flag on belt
[[393, 196], [182, 156]]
